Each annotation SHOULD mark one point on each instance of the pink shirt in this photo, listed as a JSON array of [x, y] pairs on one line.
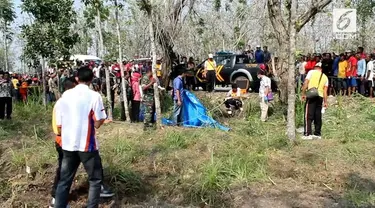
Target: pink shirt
[[135, 88]]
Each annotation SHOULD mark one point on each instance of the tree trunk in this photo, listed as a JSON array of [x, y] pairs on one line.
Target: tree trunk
[[107, 74], [109, 97], [291, 117], [123, 84], [153, 51], [44, 89], [5, 48]]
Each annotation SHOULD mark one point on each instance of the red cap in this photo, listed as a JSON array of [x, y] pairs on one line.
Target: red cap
[[262, 66]]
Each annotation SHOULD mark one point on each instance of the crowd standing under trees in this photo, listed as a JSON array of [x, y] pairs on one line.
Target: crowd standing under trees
[[176, 27]]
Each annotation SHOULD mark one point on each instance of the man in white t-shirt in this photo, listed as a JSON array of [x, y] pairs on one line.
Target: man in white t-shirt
[[78, 114], [264, 91], [370, 74]]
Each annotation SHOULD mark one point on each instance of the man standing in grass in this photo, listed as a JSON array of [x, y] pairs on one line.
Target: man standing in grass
[[316, 81], [361, 73], [352, 73], [264, 90], [148, 101], [178, 87], [370, 74], [69, 83], [79, 112], [341, 75]]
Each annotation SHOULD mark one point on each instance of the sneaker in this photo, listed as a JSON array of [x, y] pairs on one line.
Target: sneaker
[[307, 137], [52, 205], [317, 137], [106, 193], [241, 109], [229, 112]]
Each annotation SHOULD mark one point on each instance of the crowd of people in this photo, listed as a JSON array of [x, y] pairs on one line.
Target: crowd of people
[[348, 73]]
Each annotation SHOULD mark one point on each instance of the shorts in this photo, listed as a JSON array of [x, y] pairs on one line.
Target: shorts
[[341, 83], [351, 82], [370, 83]]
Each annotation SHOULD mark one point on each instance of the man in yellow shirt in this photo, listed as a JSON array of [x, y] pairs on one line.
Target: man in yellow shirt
[[159, 73], [316, 81], [210, 73], [341, 75], [16, 84]]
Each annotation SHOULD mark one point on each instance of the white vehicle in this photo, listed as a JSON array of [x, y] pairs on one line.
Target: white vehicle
[[85, 58]]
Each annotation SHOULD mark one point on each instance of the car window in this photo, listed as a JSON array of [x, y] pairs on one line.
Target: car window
[[222, 60], [242, 60]]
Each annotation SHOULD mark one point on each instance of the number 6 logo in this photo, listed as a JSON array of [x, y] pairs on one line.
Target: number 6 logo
[[344, 21]]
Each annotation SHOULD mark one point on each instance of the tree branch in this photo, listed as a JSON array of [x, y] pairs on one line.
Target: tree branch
[[316, 7]]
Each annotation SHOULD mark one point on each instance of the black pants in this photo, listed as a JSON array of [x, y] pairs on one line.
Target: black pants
[[70, 163], [6, 101], [123, 115], [313, 112], [135, 110], [112, 103], [233, 102], [190, 82], [211, 77], [361, 86], [58, 169]]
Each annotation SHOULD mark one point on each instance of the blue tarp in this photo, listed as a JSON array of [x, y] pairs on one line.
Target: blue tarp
[[195, 114]]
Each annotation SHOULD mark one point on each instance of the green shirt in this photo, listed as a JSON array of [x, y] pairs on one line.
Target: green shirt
[[148, 93]]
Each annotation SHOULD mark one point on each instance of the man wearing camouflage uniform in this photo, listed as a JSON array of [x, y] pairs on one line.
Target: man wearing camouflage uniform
[[148, 101]]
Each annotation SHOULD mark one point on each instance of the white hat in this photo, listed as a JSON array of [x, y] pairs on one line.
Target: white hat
[[210, 55], [319, 64], [10, 73], [258, 46]]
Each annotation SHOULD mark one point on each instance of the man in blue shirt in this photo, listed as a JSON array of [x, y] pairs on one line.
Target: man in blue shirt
[[178, 87], [361, 73], [259, 55]]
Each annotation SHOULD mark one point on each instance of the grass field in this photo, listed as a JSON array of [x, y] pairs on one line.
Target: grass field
[[253, 165]]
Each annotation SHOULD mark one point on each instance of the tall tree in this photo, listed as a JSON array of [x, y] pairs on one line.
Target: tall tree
[[120, 58], [283, 17], [364, 13], [148, 7], [7, 16], [97, 6], [50, 35]]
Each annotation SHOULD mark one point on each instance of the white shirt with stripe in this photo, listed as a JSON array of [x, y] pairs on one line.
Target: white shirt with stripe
[[76, 113]]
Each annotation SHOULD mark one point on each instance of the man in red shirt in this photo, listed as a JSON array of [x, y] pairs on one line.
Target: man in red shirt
[[361, 50], [310, 63], [351, 74]]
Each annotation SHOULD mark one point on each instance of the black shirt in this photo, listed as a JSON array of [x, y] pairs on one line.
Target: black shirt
[[327, 67]]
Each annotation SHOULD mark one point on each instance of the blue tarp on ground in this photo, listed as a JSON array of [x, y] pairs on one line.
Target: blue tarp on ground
[[195, 114]]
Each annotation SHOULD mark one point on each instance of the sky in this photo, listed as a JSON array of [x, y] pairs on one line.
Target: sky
[[16, 47]]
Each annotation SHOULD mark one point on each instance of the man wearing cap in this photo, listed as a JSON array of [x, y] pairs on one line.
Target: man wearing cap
[[259, 55], [313, 106], [210, 73]]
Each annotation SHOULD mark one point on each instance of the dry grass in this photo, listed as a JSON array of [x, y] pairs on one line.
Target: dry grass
[[253, 165]]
